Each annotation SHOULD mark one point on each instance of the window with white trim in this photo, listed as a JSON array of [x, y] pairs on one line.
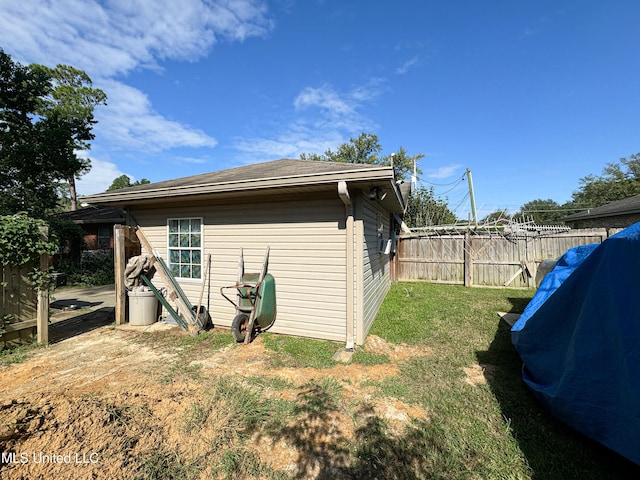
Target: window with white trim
[[184, 244]]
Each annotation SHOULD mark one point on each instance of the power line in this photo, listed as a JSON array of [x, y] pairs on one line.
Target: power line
[[443, 184]]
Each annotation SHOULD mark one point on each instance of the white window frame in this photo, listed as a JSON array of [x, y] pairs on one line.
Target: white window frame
[[184, 248]]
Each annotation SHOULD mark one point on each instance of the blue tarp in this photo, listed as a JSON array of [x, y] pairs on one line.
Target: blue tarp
[[579, 339]]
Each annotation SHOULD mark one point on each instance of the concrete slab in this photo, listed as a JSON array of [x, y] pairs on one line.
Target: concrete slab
[[343, 355], [65, 299]]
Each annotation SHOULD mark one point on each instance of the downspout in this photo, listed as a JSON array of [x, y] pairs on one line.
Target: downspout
[[343, 192]]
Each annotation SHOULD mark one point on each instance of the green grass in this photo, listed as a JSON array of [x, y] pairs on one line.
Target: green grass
[[300, 352], [363, 357], [488, 428], [484, 430]]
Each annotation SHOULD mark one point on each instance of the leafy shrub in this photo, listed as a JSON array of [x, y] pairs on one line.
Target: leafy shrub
[[96, 268], [22, 242]]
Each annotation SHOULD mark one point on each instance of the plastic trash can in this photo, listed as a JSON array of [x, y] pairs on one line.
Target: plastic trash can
[[143, 307]]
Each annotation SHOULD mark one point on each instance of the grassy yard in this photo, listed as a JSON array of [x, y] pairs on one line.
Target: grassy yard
[[481, 430], [481, 420], [282, 408]]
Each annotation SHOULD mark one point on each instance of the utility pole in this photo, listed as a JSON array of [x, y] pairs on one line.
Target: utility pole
[[473, 198], [414, 178]]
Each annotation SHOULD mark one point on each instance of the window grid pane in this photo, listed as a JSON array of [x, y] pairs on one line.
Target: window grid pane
[[184, 247]]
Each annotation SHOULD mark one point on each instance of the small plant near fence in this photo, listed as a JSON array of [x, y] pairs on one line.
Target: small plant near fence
[[22, 242]]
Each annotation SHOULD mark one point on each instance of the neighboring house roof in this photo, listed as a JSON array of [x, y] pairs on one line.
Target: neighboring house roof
[[95, 214], [286, 175], [627, 206]]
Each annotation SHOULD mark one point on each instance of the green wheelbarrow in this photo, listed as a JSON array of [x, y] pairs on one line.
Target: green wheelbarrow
[[256, 301]]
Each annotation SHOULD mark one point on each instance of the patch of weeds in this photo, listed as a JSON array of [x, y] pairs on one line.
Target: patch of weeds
[[245, 403], [200, 339], [10, 356], [182, 368], [300, 352], [241, 463], [314, 430], [163, 465], [363, 357], [319, 397], [196, 416], [119, 415], [273, 383], [225, 420], [186, 344], [380, 453]]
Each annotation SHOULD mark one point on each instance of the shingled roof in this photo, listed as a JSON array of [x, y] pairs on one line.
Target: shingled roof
[[627, 206], [277, 174], [97, 214]]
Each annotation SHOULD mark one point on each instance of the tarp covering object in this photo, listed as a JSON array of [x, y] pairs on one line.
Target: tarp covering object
[[579, 339]]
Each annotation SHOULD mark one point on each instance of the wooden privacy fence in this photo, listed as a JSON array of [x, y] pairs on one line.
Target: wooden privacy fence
[[22, 308], [495, 259]]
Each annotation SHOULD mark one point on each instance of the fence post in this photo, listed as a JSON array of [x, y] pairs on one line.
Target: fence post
[[119, 266], [42, 310], [468, 260]]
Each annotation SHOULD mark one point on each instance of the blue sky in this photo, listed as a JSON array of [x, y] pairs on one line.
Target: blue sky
[[530, 95]]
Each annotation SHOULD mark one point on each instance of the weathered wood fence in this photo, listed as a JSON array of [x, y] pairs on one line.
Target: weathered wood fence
[[23, 309], [485, 259]]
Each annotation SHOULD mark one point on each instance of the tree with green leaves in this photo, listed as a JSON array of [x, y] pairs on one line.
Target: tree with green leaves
[[26, 183], [542, 212], [367, 149], [499, 216], [424, 210], [69, 106], [618, 181], [46, 116], [123, 181]]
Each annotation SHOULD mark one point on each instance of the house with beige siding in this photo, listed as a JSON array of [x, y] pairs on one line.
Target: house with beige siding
[[331, 229]]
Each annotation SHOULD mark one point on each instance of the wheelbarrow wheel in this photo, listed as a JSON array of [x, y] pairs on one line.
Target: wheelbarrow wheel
[[239, 327]]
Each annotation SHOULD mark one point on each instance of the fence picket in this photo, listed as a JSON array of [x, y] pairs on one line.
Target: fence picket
[[485, 259]]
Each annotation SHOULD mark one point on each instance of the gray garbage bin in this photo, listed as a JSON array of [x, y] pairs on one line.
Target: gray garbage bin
[[143, 307]]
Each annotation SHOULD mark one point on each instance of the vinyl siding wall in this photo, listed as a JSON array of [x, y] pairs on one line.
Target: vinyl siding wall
[[376, 279], [307, 259]]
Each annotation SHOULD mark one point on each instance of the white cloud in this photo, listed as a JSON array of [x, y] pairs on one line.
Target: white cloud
[[324, 98], [324, 118], [115, 36], [290, 144], [130, 121], [111, 38], [404, 68], [443, 172], [99, 178]]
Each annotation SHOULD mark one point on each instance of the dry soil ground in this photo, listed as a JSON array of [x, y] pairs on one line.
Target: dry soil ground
[[98, 404]]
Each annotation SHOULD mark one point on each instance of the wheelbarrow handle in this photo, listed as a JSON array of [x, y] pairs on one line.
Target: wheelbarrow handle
[[238, 286]]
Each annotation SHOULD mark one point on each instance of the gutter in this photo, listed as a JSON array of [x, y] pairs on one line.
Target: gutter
[[369, 174], [343, 192]]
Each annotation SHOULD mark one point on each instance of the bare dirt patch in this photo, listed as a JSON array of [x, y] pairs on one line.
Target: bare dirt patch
[[479, 373], [104, 405]]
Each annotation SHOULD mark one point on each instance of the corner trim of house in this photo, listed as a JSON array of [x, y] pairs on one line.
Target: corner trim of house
[[343, 192]]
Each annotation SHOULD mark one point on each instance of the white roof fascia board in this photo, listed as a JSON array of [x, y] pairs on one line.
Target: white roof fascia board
[[369, 174]]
